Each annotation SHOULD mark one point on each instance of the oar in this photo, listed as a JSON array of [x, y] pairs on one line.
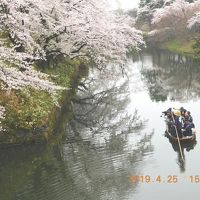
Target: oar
[[179, 144]]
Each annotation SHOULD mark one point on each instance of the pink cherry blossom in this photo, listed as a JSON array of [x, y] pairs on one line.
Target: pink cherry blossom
[[178, 13], [38, 29]]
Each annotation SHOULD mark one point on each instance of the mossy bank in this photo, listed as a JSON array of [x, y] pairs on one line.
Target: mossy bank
[[32, 115], [180, 46], [183, 44]]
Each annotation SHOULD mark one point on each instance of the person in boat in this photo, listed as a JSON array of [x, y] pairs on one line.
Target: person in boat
[[175, 124], [188, 127], [172, 114], [183, 111], [169, 111], [168, 114], [188, 115]]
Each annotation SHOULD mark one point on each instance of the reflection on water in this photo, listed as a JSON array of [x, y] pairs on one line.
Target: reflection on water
[[169, 75], [100, 110], [188, 146], [115, 133]]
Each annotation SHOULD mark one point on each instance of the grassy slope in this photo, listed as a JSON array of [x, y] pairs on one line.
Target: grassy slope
[[181, 46]]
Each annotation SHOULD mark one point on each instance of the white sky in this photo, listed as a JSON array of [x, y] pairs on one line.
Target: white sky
[[124, 4]]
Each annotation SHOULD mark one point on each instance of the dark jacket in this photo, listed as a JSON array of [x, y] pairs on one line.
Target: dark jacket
[[187, 127]]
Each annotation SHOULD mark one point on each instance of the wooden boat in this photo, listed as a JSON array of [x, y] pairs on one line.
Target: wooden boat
[[172, 137], [187, 143], [171, 131]]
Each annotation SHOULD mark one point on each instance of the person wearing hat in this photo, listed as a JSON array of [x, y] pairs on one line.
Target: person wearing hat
[[176, 122], [183, 111]]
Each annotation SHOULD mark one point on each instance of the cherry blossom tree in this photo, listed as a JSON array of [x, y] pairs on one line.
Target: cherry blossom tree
[[73, 28], [194, 22], [40, 29], [32, 31], [176, 15], [146, 10]]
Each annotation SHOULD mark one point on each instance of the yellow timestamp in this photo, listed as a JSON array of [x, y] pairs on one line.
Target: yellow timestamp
[[194, 179], [162, 179], [157, 179]]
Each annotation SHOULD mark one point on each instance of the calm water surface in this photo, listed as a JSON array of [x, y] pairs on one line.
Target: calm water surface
[[116, 133]]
